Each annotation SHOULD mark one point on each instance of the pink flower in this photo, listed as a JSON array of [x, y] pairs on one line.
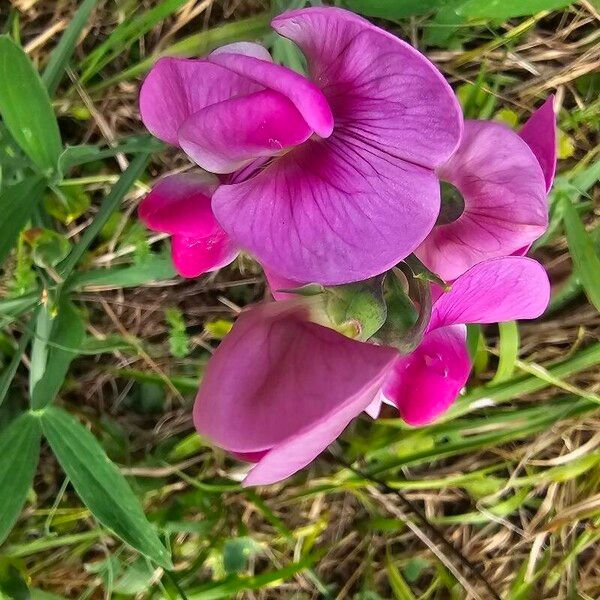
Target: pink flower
[[497, 202], [180, 205], [329, 178], [279, 389], [425, 383]]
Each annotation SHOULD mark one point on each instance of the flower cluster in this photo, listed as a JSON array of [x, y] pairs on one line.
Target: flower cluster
[[336, 178]]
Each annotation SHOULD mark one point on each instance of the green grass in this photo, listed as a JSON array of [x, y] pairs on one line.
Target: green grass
[[112, 344]]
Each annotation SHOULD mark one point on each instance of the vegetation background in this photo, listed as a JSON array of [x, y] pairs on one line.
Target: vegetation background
[[105, 489]]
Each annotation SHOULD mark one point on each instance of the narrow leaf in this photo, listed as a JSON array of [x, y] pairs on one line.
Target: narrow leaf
[[25, 107], [126, 34], [19, 454], [61, 55], [154, 268], [509, 351], [197, 44], [66, 337], [10, 370], [393, 9], [86, 153], [585, 259], [400, 588], [17, 203], [100, 485], [506, 9]]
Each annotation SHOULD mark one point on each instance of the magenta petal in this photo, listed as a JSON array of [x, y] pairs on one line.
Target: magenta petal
[[277, 376], [180, 204], [175, 88], [331, 211], [194, 256], [505, 201], [380, 89], [228, 135], [306, 96], [425, 383], [539, 132], [501, 289]]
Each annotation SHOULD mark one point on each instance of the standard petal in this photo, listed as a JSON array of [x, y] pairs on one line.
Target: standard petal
[[501, 289], [229, 135], [181, 204], [504, 195], [306, 96], [425, 383], [276, 376], [539, 132], [331, 211], [175, 88], [194, 256], [380, 89]]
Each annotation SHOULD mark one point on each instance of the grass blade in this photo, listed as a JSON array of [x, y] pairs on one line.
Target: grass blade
[[500, 10], [196, 45], [585, 259], [109, 205], [509, 351], [61, 55], [126, 34]]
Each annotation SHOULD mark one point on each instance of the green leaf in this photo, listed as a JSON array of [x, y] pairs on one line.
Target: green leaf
[[25, 108], [19, 454], [67, 204], [155, 267], [48, 247], [67, 331], [100, 485], [136, 579], [61, 55], [179, 343], [585, 259], [73, 156], [509, 351], [237, 552], [17, 203], [393, 9], [501, 10]]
